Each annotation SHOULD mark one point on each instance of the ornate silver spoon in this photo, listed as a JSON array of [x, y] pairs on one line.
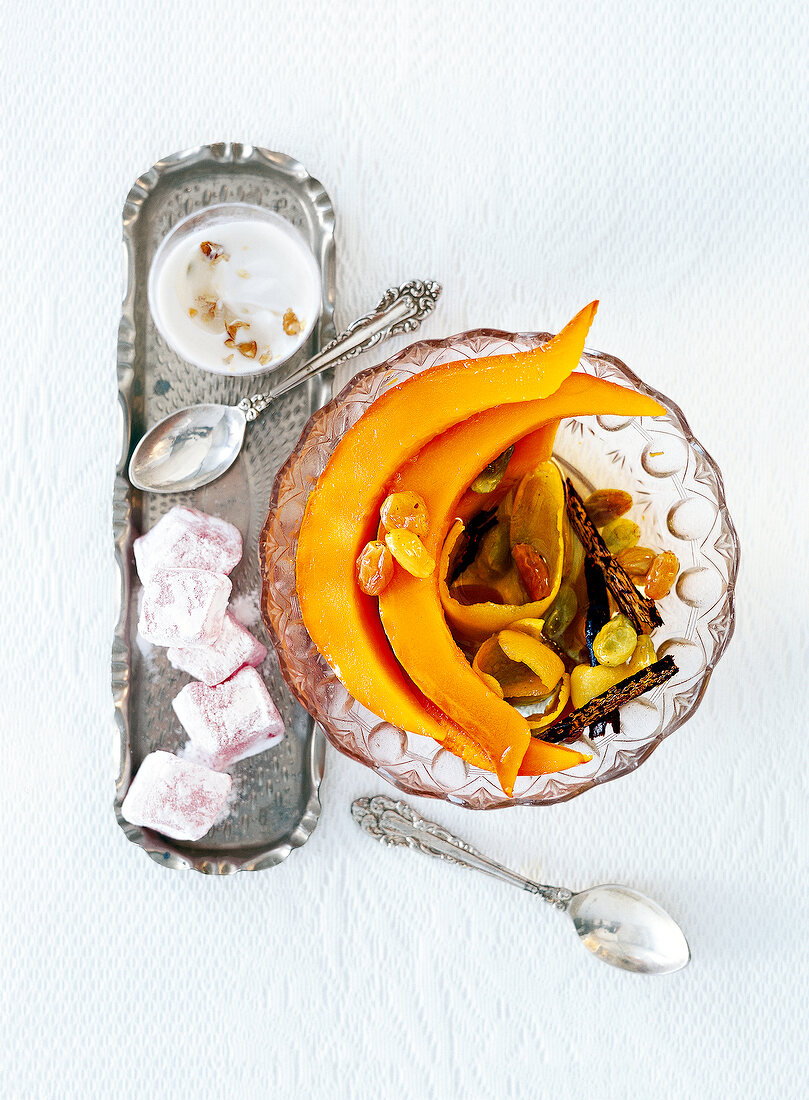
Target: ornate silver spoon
[[194, 446], [619, 925]]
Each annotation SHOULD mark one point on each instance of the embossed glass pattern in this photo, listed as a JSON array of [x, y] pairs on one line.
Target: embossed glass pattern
[[679, 503]]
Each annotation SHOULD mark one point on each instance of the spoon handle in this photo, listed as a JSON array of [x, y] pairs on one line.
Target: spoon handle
[[398, 823], [401, 309]]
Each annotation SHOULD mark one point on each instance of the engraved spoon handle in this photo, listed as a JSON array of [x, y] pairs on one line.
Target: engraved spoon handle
[[401, 309], [398, 823]]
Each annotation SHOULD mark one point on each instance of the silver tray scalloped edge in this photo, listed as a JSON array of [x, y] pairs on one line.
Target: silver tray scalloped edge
[[279, 805]]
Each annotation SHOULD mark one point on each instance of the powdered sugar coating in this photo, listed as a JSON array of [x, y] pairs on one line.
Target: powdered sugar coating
[[247, 607], [183, 607], [176, 797], [188, 539], [213, 663], [231, 721]]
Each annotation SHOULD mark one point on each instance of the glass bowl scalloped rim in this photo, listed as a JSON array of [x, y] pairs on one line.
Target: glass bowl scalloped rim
[[279, 605]]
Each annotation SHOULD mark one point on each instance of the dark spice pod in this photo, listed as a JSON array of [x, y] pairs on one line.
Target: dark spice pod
[[598, 613], [638, 608], [569, 728]]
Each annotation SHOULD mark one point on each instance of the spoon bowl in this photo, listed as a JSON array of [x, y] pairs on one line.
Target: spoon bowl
[[188, 448], [626, 929]]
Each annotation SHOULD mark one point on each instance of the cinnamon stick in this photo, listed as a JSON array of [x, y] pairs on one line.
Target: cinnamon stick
[[638, 608], [569, 728]]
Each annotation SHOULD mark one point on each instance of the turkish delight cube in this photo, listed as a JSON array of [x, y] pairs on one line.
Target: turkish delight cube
[[188, 539], [214, 663], [176, 797], [183, 607], [231, 721]]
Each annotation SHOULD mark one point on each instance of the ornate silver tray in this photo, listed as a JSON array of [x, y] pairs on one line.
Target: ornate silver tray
[[277, 805]]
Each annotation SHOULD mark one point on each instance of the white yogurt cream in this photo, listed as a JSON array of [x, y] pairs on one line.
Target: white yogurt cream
[[234, 289]]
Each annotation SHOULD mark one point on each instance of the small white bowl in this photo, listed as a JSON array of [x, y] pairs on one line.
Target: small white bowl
[[295, 265]]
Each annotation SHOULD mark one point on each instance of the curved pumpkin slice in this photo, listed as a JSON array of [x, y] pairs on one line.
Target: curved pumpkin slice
[[530, 451], [343, 510], [410, 607], [541, 757]]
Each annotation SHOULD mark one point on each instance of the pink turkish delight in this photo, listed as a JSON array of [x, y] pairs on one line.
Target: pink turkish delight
[[176, 797], [183, 607], [213, 663], [187, 539], [232, 721]]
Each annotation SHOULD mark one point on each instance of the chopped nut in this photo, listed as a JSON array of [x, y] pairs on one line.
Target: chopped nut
[[193, 312], [207, 305], [228, 358], [230, 342], [265, 357], [292, 325], [248, 349], [233, 327], [213, 252]]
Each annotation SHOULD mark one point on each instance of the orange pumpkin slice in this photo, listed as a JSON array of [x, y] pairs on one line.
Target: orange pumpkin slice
[[410, 607], [541, 757], [343, 511]]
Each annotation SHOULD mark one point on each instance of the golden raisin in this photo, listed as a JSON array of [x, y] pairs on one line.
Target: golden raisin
[[532, 569], [410, 552], [637, 560], [606, 504], [615, 642], [374, 568], [620, 535], [662, 575], [406, 511]]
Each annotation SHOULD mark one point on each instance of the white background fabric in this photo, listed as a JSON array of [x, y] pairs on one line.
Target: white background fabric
[[530, 157]]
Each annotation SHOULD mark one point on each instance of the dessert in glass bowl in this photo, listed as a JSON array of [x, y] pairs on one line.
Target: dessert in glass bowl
[[471, 639], [234, 289]]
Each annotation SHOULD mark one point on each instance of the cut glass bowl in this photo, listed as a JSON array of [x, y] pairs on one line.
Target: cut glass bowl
[[679, 504]]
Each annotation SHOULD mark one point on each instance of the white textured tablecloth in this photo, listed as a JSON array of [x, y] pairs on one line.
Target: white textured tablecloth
[[530, 157]]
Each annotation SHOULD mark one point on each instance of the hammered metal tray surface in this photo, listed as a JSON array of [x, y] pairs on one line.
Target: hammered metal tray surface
[[276, 805]]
